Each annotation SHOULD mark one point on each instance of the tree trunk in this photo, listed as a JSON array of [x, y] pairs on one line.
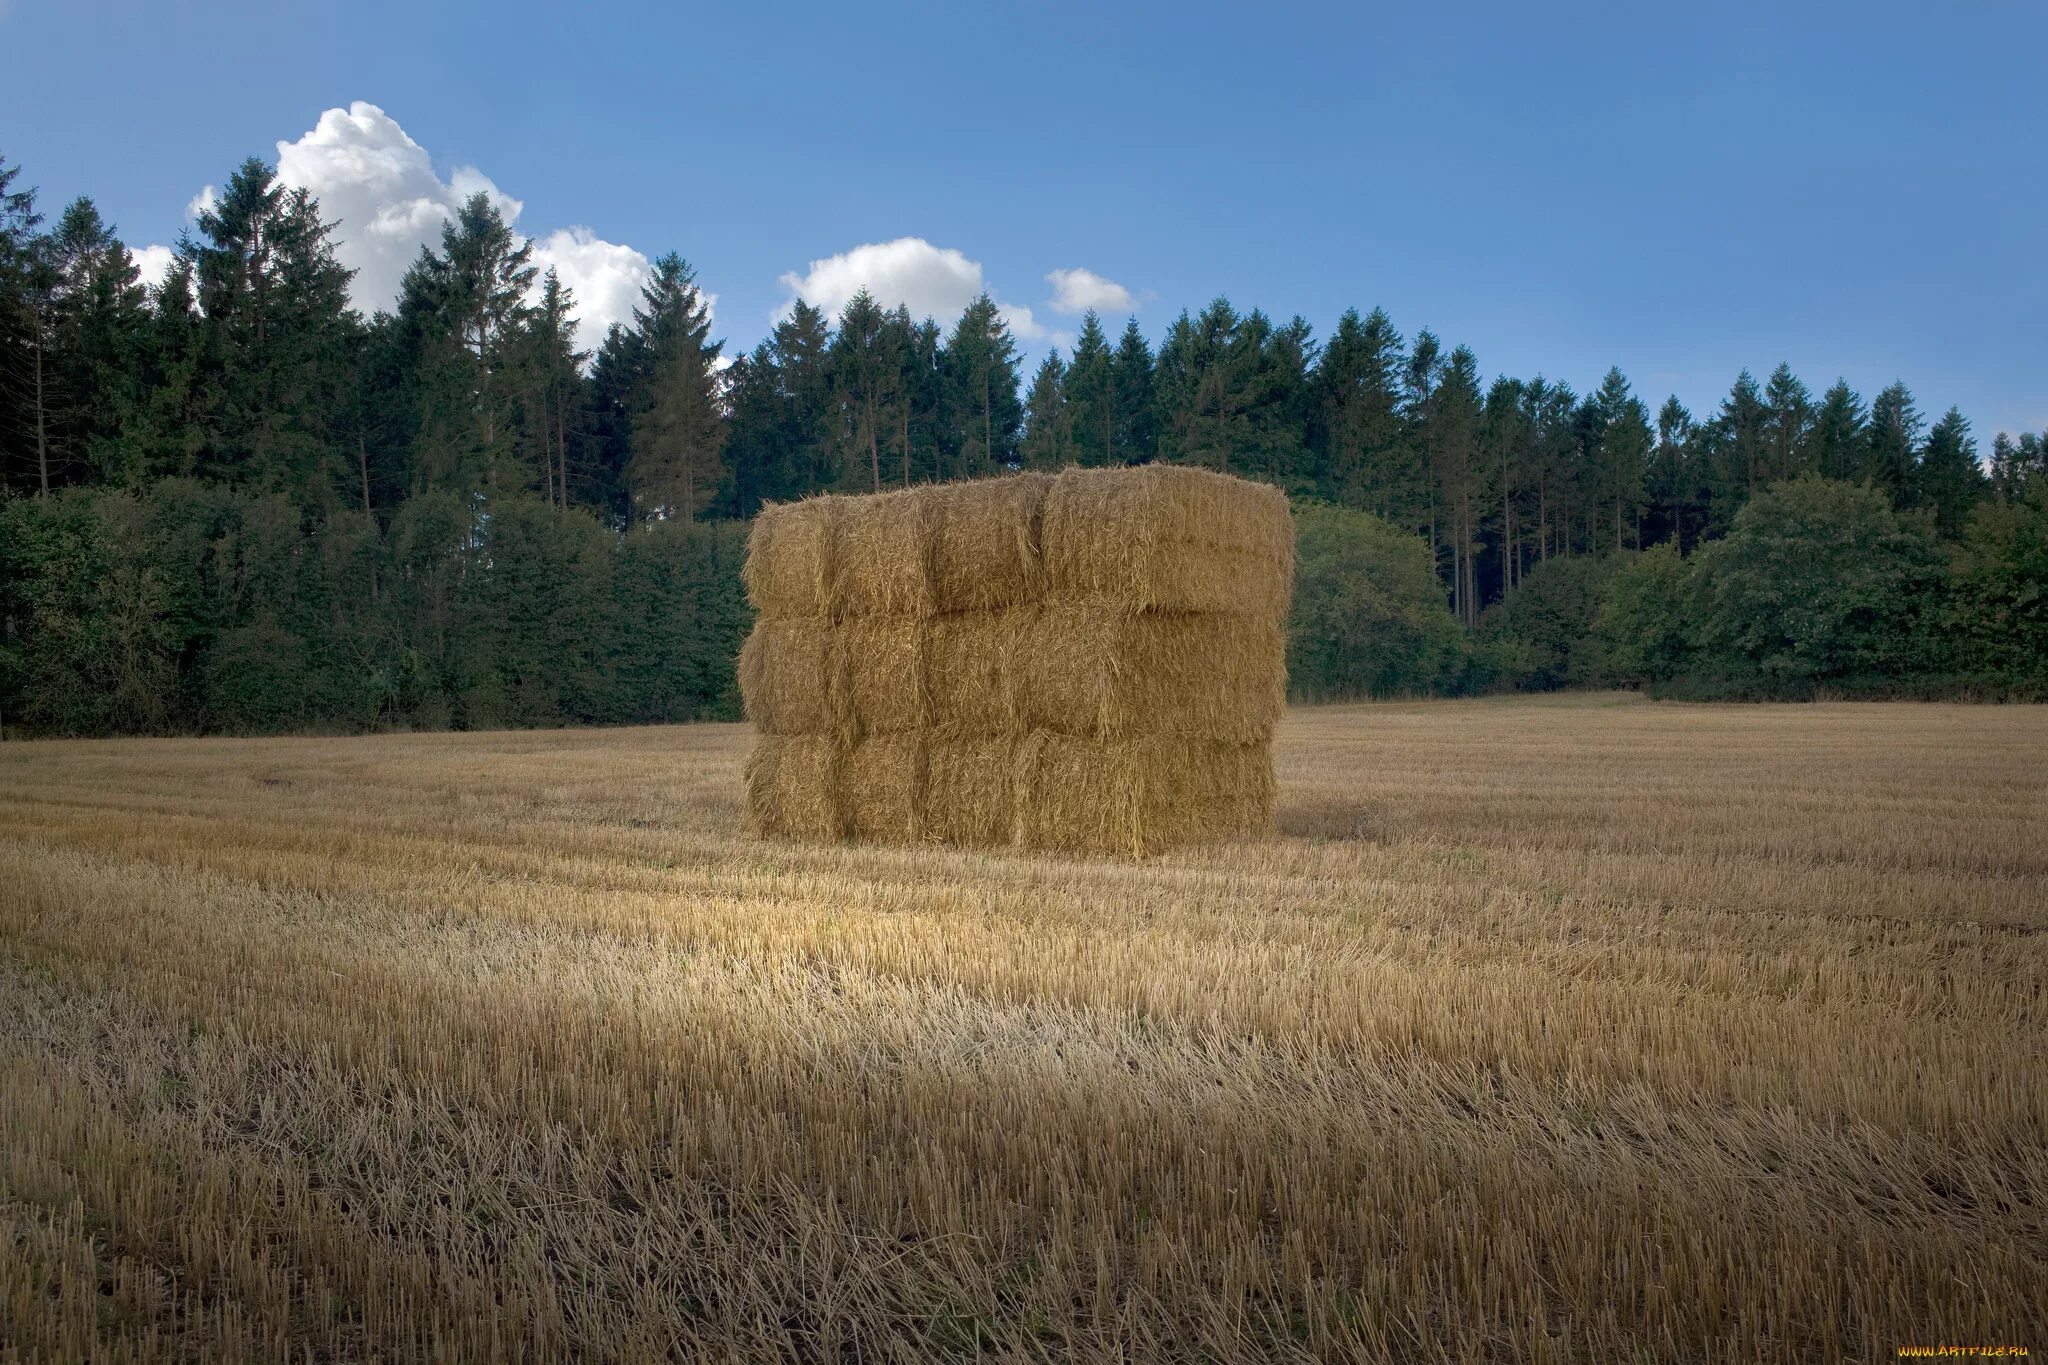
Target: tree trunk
[[369, 517], [42, 431]]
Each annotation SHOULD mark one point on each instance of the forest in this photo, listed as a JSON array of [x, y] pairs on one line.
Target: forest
[[231, 503]]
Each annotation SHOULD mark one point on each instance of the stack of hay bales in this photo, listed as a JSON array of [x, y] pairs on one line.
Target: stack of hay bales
[[1092, 661]]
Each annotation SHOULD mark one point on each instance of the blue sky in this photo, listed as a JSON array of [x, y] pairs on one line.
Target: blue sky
[[1860, 190]]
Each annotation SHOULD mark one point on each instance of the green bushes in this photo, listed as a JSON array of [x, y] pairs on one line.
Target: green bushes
[[189, 608], [1369, 616]]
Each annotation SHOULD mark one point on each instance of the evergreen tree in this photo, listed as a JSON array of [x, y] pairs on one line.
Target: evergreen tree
[[1137, 436], [1787, 424], [278, 324], [678, 428], [1090, 390], [1358, 388], [987, 414], [1741, 462], [1947, 480], [1048, 417], [866, 378], [1451, 433], [1672, 483], [1839, 438], [1895, 427], [1623, 457]]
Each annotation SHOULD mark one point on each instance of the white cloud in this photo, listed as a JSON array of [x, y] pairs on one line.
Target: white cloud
[[154, 262], [1076, 291], [380, 190], [605, 277], [206, 201], [933, 282]]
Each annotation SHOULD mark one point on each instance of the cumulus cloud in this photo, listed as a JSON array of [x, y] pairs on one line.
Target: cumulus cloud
[[935, 282], [154, 262], [206, 201], [1076, 291], [379, 187]]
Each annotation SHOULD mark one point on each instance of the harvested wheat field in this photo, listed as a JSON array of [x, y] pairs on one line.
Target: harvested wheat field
[[1569, 1030]]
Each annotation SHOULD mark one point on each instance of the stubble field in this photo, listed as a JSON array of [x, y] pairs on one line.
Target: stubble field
[[1547, 1030]]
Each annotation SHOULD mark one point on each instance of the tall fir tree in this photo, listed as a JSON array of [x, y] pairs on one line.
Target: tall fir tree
[[678, 439], [1048, 417], [1895, 427], [1947, 480], [1839, 438], [987, 414], [1137, 434], [1090, 390]]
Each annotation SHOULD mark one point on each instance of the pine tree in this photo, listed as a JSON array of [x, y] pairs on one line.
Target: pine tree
[[553, 398], [1947, 480], [277, 327], [866, 377], [678, 427], [1787, 422], [1672, 478], [1090, 390], [1048, 417], [802, 346], [1280, 362], [1839, 439], [1358, 388], [1895, 427], [982, 372], [1450, 434], [1742, 458], [1137, 436], [1624, 456]]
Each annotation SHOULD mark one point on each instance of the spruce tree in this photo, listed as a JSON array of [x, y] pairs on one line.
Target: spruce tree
[[1358, 393], [1947, 480], [1839, 437], [866, 376], [1895, 427], [1048, 417], [678, 428], [1137, 437], [1090, 389], [982, 380], [1787, 423], [1672, 480]]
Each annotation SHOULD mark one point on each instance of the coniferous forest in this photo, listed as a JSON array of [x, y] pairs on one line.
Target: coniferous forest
[[232, 503]]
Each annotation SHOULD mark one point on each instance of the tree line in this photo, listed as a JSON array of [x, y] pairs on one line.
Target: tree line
[[231, 501]]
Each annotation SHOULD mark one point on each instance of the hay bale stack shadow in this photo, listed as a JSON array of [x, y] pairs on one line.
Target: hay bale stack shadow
[[1087, 662]]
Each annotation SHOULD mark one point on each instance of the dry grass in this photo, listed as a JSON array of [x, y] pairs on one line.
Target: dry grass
[[1545, 1031]]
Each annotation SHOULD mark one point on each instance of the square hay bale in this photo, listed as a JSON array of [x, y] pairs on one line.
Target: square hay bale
[[878, 673], [970, 794], [881, 792], [1167, 538], [789, 571], [1138, 796], [787, 677], [792, 787], [973, 670], [985, 539], [881, 555], [1113, 673]]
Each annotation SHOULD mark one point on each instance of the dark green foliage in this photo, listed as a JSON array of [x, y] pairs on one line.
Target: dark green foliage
[[1541, 636], [1641, 624], [230, 502], [1369, 617], [1817, 583], [1997, 617]]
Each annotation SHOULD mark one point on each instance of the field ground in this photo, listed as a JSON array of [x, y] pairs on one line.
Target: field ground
[[1578, 1029]]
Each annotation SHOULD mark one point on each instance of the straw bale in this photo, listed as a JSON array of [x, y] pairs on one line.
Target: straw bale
[[1138, 796], [973, 665], [1169, 538], [882, 556], [786, 671], [788, 572], [970, 794], [881, 789], [878, 671], [985, 542], [1111, 673], [792, 786]]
